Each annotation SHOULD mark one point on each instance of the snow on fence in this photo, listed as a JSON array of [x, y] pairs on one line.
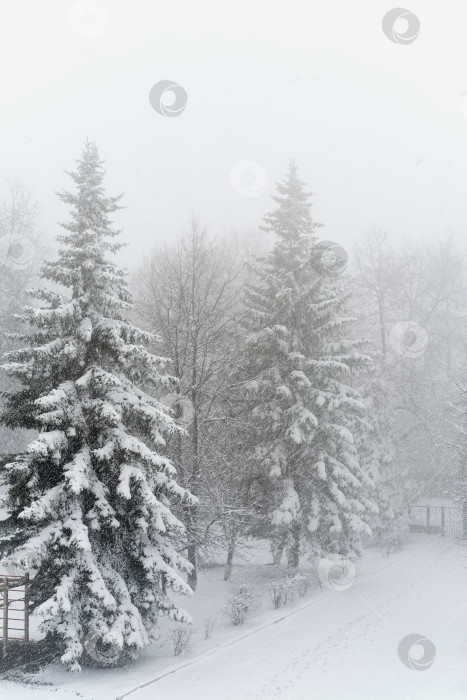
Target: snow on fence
[[436, 519], [14, 609]]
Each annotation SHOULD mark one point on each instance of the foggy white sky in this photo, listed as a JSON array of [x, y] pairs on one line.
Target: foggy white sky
[[378, 129]]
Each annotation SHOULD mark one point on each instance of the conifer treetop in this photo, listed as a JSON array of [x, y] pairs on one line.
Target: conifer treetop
[[292, 219], [83, 259]]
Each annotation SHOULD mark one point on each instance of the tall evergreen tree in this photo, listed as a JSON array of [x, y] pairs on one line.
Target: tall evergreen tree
[[299, 367], [91, 498]]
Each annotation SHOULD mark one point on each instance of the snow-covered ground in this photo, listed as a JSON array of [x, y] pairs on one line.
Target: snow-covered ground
[[329, 646]]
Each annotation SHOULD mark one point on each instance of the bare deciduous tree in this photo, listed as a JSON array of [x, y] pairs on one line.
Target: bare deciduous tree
[[189, 295], [423, 283], [19, 216]]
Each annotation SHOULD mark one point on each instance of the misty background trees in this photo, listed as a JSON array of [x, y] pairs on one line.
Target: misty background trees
[[414, 302], [20, 246], [408, 305]]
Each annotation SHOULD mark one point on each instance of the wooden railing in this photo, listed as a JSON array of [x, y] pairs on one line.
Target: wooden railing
[[14, 609], [434, 519]]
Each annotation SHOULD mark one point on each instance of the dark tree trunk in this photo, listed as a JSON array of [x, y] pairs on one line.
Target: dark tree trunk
[[194, 433], [277, 551], [192, 545], [191, 556], [230, 556], [293, 551], [190, 519]]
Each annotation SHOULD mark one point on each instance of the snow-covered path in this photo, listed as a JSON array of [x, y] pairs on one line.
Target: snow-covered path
[[339, 646], [343, 646]]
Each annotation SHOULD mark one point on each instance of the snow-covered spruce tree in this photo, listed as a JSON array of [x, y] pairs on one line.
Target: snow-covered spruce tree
[[299, 366], [90, 499]]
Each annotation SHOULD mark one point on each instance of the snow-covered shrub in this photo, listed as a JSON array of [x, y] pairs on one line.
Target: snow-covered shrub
[[283, 591], [280, 592], [390, 543], [240, 604], [277, 593], [181, 637], [300, 584]]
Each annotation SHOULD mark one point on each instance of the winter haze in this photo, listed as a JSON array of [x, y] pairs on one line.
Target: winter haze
[[233, 376], [379, 132]]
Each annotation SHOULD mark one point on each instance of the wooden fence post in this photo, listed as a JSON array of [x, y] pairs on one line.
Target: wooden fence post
[[428, 514], [26, 608], [443, 519], [5, 615]]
